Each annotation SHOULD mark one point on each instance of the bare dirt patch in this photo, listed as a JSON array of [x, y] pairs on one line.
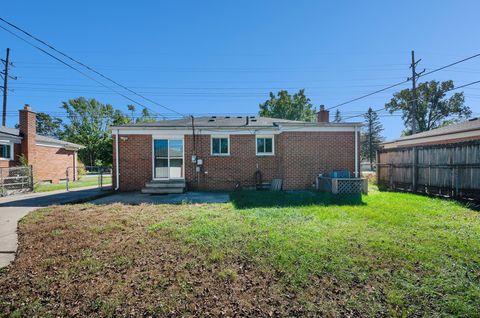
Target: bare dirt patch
[[88, 260], [265, 254]]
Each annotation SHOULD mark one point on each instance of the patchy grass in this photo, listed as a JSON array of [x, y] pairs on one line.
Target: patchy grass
[[264, 254], [86, 181]]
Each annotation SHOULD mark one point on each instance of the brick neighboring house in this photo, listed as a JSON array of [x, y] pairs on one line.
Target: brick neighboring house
[[223, 153], [465, 131], [49, 157]]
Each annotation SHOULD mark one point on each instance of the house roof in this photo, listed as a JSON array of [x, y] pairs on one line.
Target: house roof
[[471, 124], [229, 122], [466, 126], [41, 138]]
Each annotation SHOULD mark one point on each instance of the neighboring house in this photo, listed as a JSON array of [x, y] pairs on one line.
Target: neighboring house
[[224, 153], [49, 157], [464, 131], [442, 161]]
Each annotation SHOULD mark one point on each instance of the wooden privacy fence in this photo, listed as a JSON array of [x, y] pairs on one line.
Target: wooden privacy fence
[[450, 170], [15, 180]]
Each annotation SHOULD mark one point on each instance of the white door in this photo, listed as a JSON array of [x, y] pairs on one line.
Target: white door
[[168, 159]]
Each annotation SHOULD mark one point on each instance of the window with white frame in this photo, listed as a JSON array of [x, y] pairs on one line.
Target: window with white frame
[[220, 146], [264, 145], [5, 151]]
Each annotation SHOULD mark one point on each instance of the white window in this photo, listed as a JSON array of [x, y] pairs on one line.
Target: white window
[[220, 146], [6, 151], [265, 146]]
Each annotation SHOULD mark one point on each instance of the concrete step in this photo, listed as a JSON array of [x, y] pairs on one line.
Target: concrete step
[[154, 190], [166, 184]]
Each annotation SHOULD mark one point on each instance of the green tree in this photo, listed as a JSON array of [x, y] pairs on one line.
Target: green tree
[[89, 125], [433, 108], [48, 125], [146, 117], [131, 109], [371, 136], [338, 117], [285, 106]]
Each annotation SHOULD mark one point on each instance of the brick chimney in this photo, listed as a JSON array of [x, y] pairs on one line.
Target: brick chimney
[[28, 131], [323, 116]]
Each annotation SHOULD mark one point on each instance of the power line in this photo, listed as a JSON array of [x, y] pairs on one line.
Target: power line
[[403, 82], [416, 99], [84, 65], [370, 94], [74, 68], [450, 65]]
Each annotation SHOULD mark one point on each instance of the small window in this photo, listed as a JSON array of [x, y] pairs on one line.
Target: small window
[[264, 145], [5, 152], [220, 146]]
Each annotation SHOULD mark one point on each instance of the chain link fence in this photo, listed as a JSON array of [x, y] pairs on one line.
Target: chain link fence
[[15, 180], [89, 176]]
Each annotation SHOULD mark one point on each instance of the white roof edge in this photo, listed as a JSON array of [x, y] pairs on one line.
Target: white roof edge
[[316, 124], [279, 124], [60, 144]]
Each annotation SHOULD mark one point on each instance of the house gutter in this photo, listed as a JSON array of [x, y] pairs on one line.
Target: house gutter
[[117, 173], [356, 152]]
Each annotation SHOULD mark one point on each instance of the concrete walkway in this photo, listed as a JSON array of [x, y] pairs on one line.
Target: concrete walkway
[[13, 208], [188, 197]]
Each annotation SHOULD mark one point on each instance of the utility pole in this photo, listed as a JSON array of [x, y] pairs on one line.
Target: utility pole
[[5, 75], [414, 77]]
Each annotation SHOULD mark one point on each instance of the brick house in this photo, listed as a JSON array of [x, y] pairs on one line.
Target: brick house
[[49, 157], [224, 153]]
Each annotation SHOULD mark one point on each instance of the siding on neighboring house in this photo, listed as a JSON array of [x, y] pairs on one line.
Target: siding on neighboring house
[[455, 133]]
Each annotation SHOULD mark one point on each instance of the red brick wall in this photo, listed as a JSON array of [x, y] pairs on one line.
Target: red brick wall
[[49, 163], [28, 132], [306, 154], [135, 161], [299, 157], [52, 164], [227, 172]]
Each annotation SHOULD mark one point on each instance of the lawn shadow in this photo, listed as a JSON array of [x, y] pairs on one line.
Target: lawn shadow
[[256, 199]]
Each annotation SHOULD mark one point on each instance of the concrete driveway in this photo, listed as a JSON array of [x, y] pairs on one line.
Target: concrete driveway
[[13, 208], [188, 197]]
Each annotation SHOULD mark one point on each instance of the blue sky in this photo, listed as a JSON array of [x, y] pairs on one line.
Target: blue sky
[[224, 57]]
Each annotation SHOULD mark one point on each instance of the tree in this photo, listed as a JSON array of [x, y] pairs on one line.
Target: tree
[[89, 125], [433, 108], [285, 106], [146, 117], [371, 137], [48, 125], [131, 109], [338, 117]]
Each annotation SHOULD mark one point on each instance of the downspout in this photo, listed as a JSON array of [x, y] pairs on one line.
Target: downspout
[[117, 173], [356, 151]]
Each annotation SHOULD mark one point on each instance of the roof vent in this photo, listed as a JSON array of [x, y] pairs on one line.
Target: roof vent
[[473, 119], [210, 120], [227, 117], [239, 116], [214, 116], [253, 119], [252, 116]]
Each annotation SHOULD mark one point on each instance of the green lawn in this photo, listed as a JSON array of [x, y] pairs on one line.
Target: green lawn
[[85, 181], [263, 254]]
